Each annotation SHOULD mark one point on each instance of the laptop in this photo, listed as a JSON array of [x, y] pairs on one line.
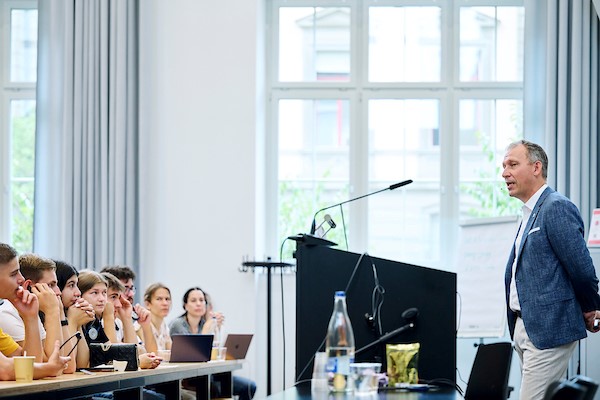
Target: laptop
[[237, 345], [191, 348]]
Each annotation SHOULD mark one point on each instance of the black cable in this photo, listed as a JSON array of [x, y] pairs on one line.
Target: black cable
[[459, 311], [377, 297], [282, 307], [344, 225]]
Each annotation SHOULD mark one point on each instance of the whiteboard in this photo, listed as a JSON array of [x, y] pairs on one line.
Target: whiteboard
[[483, 251]]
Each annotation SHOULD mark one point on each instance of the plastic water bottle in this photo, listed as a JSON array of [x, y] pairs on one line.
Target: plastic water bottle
[[339, 346], [216, 345]]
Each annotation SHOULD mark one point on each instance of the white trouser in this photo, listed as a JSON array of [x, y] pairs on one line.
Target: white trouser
[[539, 368]]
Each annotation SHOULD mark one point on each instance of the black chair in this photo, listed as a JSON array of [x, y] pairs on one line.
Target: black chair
[[565, 390], [589, 384], [490, 371]]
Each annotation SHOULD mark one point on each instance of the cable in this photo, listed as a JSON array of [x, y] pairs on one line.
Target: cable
[[459, 311], [377, 298], [282, 308], [344, 225]]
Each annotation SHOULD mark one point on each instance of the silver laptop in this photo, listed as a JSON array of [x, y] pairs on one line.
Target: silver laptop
[[191, 348]]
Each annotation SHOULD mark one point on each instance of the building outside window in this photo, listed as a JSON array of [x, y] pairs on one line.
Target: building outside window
[[365, 94]]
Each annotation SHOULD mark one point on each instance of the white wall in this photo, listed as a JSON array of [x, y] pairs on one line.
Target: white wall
[[202, 98], [201, 145]]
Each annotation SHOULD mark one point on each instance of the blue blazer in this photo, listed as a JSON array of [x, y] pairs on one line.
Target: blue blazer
[[555, 276]]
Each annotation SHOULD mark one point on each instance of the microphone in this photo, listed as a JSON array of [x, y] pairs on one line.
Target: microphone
[[330, 221], [320, 231], [332, 224], [410, 315], [313, 227]]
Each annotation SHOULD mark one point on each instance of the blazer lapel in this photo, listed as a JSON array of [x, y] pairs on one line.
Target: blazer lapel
[[534, 214]]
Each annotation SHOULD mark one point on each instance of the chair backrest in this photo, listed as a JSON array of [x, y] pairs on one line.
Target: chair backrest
[[565, 390], [490, 371]]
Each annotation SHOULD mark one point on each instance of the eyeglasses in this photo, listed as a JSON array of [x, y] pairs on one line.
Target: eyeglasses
[[130, 289], [78, 335]]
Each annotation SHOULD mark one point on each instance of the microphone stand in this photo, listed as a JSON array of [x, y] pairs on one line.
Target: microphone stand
[[387, 336], [269, 265]]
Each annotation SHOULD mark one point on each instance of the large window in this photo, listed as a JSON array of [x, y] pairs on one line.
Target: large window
[[18, 66], [365, 93]]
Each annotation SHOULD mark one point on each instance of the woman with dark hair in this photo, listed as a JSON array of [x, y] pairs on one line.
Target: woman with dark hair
[[200, 318], [76, 312], [194, 320]]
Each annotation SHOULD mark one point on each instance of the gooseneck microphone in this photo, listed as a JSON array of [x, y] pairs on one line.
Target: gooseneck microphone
[[313, 227], [410, 315], [391, 187]]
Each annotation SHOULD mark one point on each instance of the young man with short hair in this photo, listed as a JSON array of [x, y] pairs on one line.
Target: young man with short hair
[[40, 279], [26, 303]]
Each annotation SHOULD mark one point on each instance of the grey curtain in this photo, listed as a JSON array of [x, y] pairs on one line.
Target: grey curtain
[[561, 94], [87, 195]]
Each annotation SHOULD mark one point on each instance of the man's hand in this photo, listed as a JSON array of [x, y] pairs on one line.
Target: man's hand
[[26, 303], [589, 318], [109, 309], [48, 299], [126, 308], [56, 364], [144, 316]]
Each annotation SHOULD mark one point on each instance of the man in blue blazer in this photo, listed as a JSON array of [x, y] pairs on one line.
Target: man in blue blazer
[[551, 284]]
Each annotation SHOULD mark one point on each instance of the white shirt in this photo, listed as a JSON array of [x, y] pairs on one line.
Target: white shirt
[[527, 208], [162, 337], [12, 323]]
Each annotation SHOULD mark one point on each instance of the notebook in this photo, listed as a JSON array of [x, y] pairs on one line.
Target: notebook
[[191, 348], [237, 345]]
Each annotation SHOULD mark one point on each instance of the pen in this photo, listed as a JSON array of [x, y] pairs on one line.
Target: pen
[[85, 371]]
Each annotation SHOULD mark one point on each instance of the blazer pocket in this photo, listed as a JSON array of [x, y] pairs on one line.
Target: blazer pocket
[[533, 230]]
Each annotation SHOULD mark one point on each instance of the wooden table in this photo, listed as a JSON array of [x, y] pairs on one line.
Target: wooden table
[[128, 385]]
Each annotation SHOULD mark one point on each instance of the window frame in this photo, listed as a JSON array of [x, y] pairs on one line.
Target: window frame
[[9, 92], [449, 91]]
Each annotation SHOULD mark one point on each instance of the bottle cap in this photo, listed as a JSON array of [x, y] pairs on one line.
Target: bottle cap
[[340, 293]]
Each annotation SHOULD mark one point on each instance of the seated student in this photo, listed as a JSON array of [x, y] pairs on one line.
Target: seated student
[[157, 299], [94, 289], [40, 279], [26, 303], [193, 319], [127, 278], [126, 275], [200, 318], [126, 332], [75, 313]]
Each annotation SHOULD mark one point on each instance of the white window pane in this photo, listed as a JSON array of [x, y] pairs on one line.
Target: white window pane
[[404, 144], [313, 160], [314, 44], [22, 173], [491, 44], [486, 128], [23, 46], [404, 44]]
